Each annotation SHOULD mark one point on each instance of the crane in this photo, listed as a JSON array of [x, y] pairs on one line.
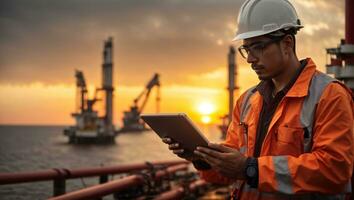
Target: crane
[[131, 119], [85, 104]]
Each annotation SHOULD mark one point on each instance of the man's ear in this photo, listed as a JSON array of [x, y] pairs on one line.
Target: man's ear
[[288, 43]]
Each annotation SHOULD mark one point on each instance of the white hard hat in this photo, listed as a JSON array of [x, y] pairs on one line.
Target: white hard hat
[[260, 17]]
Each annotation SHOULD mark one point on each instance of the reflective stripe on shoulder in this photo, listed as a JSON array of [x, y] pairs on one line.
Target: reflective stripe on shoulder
[[318, 83], [282, 172], [245, 106]]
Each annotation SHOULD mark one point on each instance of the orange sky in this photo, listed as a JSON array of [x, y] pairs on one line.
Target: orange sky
[[186, 42], [37, 103]]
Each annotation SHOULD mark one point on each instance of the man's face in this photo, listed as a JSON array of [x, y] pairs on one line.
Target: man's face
[[265, 56]]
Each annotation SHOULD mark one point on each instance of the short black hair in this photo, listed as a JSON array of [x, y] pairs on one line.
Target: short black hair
[[280, 34]]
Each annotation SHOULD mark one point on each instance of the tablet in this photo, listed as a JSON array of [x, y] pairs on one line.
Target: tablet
[[179, 128]]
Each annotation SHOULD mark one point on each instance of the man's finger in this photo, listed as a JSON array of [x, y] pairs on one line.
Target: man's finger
[[178, 151], [210, 152], [173, 146], [166, 140], [221, 147], [211, 160]]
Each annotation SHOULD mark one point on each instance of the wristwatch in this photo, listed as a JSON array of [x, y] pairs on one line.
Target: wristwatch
[[251, 172]]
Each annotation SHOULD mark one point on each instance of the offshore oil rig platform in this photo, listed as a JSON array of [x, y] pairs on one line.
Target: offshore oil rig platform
[[91, 128]]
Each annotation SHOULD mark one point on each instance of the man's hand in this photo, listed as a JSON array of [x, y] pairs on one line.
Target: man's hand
[[176, 148], [227, 161]]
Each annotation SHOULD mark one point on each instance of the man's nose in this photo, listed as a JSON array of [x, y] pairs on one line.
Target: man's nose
[[251, 58]]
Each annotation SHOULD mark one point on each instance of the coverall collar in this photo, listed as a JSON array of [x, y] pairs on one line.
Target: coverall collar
[[301, 85]]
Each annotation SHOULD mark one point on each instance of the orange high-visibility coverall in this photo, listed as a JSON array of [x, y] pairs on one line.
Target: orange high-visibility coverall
[[325, 169]]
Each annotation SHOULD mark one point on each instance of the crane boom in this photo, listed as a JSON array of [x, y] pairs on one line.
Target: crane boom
[[155, 81], [82, 90], [80, 79]]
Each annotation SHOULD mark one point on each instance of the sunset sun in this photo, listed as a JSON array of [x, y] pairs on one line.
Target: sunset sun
[[206, 109], [206, 119]]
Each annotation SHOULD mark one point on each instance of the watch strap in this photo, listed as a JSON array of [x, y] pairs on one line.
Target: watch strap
[[252, 180]]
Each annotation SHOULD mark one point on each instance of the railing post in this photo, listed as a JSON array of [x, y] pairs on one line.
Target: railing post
[[59, 187], [104, 178]]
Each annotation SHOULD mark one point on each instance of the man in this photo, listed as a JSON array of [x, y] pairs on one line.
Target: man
[[291, 136]]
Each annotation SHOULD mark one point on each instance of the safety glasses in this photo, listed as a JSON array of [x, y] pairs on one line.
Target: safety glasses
[[256, 48]]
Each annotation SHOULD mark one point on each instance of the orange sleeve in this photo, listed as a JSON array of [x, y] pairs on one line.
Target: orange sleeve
[[328, 167], [232, 140]]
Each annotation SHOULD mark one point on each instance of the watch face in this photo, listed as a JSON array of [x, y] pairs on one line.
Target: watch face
[[251, 171]]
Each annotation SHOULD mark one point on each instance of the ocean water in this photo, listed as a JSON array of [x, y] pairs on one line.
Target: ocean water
[[35, 148]]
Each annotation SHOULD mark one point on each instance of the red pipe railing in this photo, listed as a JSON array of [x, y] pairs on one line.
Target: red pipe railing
[[22, 177], [117, 185]]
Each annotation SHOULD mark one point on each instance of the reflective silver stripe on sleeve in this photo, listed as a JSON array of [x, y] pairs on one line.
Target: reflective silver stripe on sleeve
[[318, 83], [282, 174]]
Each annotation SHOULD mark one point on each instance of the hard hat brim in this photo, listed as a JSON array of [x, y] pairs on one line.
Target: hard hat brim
[[252, 34]]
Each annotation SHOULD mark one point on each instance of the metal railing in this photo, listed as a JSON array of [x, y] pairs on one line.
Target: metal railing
[[117, 185], [60, 175]]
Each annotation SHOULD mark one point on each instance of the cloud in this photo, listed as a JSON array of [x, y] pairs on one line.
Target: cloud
[[312, 28], [323, 28], [49, 39], [185, 41], [212, 79], [46, 40]]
